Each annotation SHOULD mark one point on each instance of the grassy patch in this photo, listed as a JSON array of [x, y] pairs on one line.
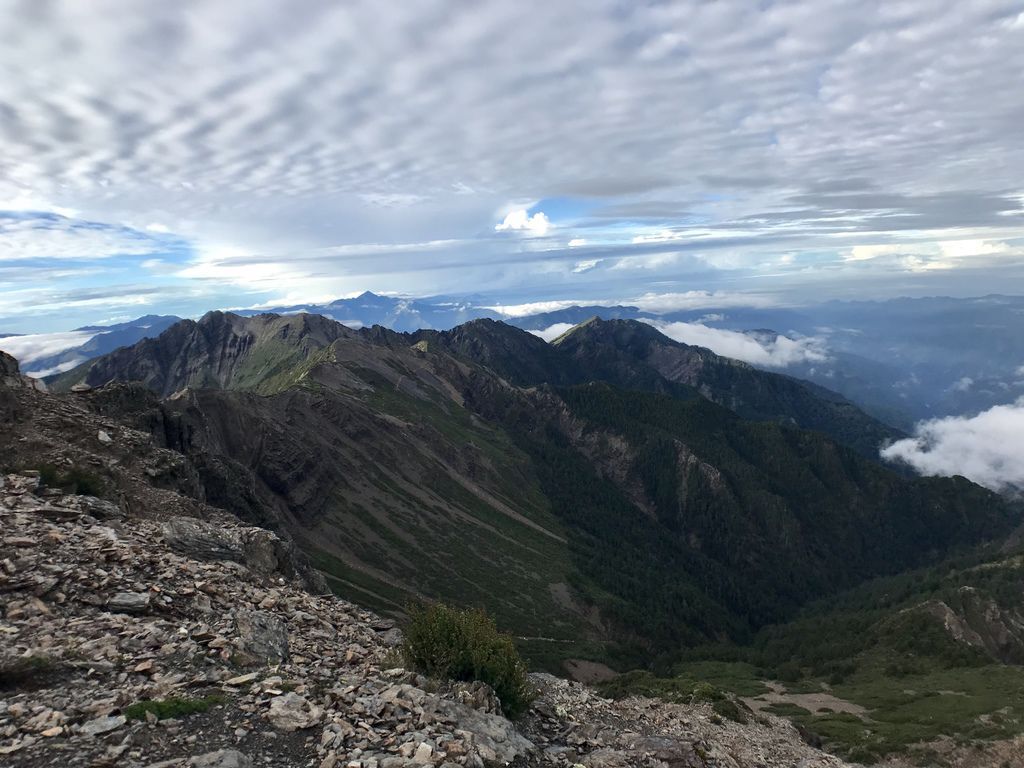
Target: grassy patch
[[924, 702], [173, 708]]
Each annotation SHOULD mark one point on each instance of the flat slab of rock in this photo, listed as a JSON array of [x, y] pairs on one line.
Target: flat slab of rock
[[129, 602], [102, 725]]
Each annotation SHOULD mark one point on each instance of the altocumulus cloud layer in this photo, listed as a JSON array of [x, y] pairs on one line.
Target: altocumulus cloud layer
[[194, 154], [987, 448]]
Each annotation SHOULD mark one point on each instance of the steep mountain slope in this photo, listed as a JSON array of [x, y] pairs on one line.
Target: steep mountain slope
[[635, 355], [587, 512]]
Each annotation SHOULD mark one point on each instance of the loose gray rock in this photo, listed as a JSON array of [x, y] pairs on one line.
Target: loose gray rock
[[222, 758], [129, 602], [102, 725]]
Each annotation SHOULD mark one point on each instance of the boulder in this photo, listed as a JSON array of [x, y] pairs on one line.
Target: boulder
[[262, 637], [201, 540], [292, 712]]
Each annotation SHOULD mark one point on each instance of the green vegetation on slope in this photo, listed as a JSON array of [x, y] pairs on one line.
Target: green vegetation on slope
[[751, 520], [876, 647]]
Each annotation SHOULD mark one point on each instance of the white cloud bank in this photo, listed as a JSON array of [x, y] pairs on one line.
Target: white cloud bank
[[987, 448], [36, 346], [779, 352]]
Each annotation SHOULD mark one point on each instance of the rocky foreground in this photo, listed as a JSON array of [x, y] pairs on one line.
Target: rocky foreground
[[177, 642]]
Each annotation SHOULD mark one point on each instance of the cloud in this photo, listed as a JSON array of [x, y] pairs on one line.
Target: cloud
[[29, 348], [48, 236], [586, 265], [576, 242], [777, 352], [42, 373], [520, 221], [229, 126], [673, 301], [552, 332], [987, 448], [532, 307], [963, 384]]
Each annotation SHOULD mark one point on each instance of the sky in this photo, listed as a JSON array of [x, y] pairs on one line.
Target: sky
[[178, 157]]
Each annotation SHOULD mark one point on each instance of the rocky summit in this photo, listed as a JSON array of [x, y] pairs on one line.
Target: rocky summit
[[140, 642]]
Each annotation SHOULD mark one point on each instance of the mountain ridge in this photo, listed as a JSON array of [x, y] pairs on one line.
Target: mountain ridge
[[551, 463]]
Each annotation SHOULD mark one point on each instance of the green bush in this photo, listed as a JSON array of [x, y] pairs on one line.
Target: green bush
[[448, 643]]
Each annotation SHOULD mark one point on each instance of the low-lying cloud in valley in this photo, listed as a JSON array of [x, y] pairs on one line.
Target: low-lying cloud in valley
[[987, 448], [770, 352], [552, 332], [761, 349], [29, 348]]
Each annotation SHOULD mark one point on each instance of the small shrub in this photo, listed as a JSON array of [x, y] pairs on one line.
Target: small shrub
[[445, 642], [166, 709]]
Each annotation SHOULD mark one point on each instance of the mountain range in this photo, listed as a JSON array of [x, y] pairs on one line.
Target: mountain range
[[613, 486], [901, 360], [615, 498]]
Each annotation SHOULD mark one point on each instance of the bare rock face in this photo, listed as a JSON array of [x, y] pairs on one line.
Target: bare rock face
[[979, 622], [262, 551], [10, 379], [8, 366], [11, 376]]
